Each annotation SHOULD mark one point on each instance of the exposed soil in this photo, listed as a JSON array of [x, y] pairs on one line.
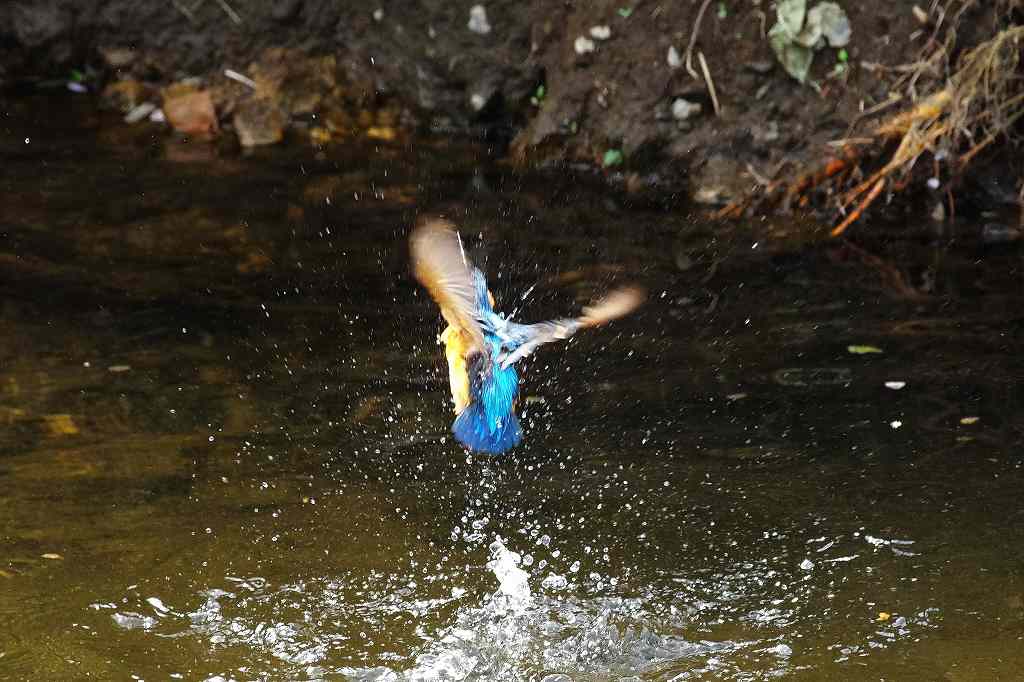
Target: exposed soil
[[399, 65]]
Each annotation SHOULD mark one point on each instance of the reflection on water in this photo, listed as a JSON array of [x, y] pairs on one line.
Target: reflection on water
[[225, 454]]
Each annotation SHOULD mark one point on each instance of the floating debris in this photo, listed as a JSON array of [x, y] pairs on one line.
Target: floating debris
[[895, 424], [806, 564], [968, 421], [52, 556], [813, 376], [863, 350], [895, 385], [478, 20]]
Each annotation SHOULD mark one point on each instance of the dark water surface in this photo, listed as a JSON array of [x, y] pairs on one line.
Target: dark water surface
[[224, 449]]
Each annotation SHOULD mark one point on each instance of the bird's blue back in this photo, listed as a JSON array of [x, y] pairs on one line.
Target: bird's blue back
[[489, 423]]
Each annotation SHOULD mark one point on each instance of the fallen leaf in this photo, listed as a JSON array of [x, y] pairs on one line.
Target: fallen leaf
[[381, 133], [863, 350], [60, 424], [967, 421], [52, 555]]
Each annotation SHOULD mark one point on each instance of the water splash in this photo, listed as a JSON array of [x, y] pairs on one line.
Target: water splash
[[513, 582]]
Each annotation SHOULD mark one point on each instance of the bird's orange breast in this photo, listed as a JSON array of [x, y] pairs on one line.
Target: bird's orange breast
[[456, 344]]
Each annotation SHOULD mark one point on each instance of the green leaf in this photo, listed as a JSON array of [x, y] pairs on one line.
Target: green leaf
[[843, 56], [791, 15], [831, 23], [863, 350], [625, 12], [76, 76], [723, 11], [795, 58], [612, 157]]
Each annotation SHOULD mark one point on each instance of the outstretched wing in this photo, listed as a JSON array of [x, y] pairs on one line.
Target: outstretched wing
[[441, 266], [523, 339]]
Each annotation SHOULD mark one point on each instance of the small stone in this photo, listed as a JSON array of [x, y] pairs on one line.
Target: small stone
[[673, 58], [286, 10], [117, 57], [140, 112], [684, 109], [583, 45], [477, 101], [762, 67], [478, 20], [383, 133], [769, 132], [600, 32], [125, 94], [259, 122], [378, 14], [191, 113]]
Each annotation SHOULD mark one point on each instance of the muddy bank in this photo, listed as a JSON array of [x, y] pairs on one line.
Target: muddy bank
[[688, 98]]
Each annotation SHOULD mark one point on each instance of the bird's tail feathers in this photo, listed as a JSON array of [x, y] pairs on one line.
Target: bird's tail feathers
[[473, 429]]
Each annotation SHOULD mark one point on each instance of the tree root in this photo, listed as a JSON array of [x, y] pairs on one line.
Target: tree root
[[978, 104]]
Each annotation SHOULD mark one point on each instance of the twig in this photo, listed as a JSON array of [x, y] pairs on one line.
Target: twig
[[710, 83], [872, 195], [761, 180], [241, 78], [693, 37], [184, 10], [232, 14], [992, 137]]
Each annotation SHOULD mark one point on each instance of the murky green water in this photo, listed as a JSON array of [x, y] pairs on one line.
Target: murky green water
[[224, 450]]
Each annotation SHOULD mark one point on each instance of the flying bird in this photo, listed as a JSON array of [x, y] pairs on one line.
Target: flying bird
[[483, 346]]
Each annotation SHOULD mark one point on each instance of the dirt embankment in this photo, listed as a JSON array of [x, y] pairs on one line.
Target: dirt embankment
[[689, 94]]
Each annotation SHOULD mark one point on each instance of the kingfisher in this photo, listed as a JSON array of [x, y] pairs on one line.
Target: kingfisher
[[482, 346]]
